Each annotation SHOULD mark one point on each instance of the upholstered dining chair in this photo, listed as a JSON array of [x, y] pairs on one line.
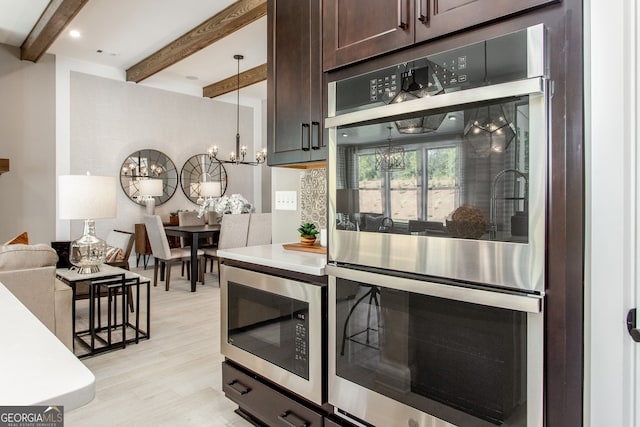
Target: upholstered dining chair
[[233, 234], [162, 252], [259, 229]]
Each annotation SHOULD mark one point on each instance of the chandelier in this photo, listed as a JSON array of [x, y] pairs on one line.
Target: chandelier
[[489, 129], [237, 157], [388, 157]]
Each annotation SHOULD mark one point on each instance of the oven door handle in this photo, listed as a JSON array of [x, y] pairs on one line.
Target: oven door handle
[[530, 86], [491, 298]]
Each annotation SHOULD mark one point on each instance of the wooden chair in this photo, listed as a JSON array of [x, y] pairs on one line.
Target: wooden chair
[[124, 241], [233, 234], [163, 253], [259, 229]]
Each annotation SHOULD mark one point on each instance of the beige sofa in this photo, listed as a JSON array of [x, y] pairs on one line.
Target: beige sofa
[[29, 272]]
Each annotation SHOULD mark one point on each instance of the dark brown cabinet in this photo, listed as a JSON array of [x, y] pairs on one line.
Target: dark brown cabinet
[[258, 400], [294, 80], [355, 30]]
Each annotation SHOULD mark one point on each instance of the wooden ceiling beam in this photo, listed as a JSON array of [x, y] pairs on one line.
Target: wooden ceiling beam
[[234, 17], [53, 20], [230, 84]]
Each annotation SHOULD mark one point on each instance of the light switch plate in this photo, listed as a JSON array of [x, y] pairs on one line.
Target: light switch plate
[[286, 200]]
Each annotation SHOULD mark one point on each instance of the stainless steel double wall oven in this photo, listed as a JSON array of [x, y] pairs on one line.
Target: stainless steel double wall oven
[[437, 203]]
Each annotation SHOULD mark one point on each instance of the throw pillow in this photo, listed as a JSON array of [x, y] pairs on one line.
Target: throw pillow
[[113, 254], [20, 239]]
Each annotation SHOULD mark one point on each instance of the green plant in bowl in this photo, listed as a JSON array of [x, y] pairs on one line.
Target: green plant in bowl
[[308, 232]]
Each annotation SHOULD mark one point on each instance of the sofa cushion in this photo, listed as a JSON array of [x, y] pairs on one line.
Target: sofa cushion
[[22, 238], [17, 257]]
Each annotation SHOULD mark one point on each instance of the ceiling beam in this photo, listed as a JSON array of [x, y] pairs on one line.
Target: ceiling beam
[[51, 23], [234, 17], [230, 84]]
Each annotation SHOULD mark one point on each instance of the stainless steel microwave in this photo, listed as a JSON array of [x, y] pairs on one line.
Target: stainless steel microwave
[[274, 326]]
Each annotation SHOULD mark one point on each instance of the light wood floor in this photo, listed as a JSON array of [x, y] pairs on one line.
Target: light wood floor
[[173, 379]]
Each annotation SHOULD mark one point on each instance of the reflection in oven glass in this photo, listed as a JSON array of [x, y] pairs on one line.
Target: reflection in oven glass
[[457, 361], [466, 179], [270, 326]]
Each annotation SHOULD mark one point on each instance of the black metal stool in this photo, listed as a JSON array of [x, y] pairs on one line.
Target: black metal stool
[[373, 298]]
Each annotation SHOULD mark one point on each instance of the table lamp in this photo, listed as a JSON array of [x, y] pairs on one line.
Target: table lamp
[[87, 197], [211, 189], [149, 188]]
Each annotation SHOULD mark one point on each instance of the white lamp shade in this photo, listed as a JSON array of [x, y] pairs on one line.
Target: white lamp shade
[[211, 189], [86, 196], [150, 187]]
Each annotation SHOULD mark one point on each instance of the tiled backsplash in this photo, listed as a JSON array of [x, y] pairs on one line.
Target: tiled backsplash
[[313, 197]]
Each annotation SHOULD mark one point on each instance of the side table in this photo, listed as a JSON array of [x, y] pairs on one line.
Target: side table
[[113, 283]]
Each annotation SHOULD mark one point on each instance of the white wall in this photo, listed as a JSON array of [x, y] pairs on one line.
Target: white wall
[[61, 116], [27, 139], [285, 223], [111, 119], [611, 78]]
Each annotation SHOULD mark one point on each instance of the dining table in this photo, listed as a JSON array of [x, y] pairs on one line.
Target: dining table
[[195, 233]]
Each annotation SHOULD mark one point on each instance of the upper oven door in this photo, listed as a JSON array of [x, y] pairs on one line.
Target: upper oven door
[[445, 179], [273, 326]]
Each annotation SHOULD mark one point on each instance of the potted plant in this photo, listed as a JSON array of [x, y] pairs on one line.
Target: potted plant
[[173, 217], [308, 233]]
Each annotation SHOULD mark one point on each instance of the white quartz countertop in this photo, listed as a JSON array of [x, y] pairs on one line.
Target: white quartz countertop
[[276, 256], [36, 367]]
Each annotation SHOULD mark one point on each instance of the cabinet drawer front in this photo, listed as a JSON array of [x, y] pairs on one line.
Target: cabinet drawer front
[[266, 403]]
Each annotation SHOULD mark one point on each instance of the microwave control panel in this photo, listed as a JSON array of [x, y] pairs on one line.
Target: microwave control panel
[[301, 342]]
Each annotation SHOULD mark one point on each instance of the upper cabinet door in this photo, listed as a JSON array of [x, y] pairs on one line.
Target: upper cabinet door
[[356, 29], [294, 83], [435, 18]]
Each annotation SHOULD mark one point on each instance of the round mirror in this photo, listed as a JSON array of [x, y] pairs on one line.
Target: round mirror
[[201, 169], [145, 165]]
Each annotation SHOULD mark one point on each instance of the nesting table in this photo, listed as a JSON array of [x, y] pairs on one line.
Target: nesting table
[[116, 285]]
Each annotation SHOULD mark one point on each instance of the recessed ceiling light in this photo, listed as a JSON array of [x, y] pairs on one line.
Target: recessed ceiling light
[[452, 118], [75, 34]]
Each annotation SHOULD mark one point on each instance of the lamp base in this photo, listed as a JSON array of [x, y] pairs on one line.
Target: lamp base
[[88, 252], [151, 206]]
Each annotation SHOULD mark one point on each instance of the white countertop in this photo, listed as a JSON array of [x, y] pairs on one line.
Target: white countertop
[[276, 256], [36, 368]]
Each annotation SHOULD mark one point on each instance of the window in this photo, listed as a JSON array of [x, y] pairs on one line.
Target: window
[[400, 194]]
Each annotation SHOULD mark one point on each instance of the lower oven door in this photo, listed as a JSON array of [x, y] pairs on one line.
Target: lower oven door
[[407, 352], [273, 326]]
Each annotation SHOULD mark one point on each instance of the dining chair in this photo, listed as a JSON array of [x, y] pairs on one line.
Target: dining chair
[[233, 234], [123, 240], [259, 229], [163, 253]]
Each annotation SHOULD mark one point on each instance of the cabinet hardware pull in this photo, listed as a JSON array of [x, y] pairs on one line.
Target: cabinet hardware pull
[[401, 24], [423, 11], [305, 137], [315, 135], [238, 388], [295, 420], [631, 325]]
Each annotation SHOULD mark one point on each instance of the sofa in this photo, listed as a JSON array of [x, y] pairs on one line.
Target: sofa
[[29, 272]]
